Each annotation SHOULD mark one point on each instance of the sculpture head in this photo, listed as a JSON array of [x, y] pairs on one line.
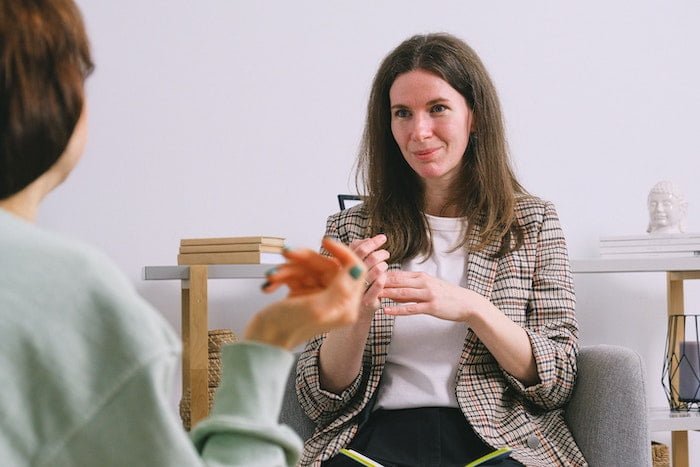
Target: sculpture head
[[667, 208]]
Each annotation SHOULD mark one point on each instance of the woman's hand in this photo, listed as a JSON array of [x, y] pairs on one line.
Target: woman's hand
[[375, 260], [420, 293], [328, 297]]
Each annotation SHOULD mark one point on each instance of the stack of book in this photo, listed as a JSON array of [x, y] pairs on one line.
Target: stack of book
[[641, 246], [231, 250]]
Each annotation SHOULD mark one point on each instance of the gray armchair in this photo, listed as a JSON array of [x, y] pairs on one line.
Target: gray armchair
[[607, 413]]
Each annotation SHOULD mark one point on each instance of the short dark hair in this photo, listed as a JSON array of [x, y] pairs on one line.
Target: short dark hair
[[486, 189], [44, 60]]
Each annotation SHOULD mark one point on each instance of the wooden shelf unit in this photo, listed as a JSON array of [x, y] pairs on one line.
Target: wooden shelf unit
[[677, 271], [195, 321]]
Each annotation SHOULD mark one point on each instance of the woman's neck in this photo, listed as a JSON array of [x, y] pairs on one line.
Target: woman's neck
[[435, 203], [25, 204], [21, 206]]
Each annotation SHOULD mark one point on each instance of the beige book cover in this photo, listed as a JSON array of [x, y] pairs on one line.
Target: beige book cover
[[229, 248], [264, 240]]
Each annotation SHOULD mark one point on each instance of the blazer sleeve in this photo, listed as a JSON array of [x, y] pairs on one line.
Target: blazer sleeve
[[550, 318], [320, 405]]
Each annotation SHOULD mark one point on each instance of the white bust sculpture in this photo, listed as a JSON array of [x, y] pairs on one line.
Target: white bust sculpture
[[667, 208]]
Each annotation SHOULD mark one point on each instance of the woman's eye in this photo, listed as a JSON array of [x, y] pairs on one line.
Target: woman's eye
[[401, 113], [439, 108]]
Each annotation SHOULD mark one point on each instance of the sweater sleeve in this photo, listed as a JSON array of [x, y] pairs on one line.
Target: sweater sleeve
[[137, 426], [243, 428]]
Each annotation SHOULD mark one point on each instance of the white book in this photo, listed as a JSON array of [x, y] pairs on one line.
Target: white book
[[651, 239], [648, 248], [653, 254]]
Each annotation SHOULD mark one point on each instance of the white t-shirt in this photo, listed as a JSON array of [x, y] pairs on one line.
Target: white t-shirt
[[421, 364]]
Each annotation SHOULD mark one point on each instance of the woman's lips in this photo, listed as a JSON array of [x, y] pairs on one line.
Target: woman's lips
[[425, 154]]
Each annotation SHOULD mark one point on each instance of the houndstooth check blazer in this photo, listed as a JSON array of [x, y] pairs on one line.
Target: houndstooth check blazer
[[533, 286]]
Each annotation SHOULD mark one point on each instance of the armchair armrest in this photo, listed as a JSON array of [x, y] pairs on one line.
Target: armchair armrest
[[608, 413]]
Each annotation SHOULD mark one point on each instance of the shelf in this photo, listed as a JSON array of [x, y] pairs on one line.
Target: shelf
[[649, 264], [665, 419], [580, 266], [214, 271]]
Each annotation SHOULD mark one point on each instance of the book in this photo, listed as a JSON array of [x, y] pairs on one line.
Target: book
[[648, 248], [488, 459], [650, 239], [492, 457], [229, 248], [238, 257], [652, 254], [263, 240], [359, 458]]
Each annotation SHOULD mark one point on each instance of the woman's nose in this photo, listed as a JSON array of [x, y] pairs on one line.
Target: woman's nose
[[422, 127]]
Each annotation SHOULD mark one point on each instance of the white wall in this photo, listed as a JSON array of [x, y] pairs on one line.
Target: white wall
[[222, 118]]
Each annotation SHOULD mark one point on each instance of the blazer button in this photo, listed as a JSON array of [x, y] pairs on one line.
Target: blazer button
[[533, 442]]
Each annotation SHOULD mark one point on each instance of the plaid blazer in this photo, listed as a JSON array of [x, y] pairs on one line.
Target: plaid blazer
[[533, 286]]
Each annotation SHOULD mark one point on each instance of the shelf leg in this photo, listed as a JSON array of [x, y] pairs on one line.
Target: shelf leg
[[679, 445], [195, 352], [674, 294]]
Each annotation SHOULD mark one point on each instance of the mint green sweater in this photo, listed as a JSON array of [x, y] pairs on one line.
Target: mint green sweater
[[87, 369]]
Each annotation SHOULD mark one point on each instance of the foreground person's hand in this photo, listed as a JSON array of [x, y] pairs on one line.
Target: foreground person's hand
[[325, 293]]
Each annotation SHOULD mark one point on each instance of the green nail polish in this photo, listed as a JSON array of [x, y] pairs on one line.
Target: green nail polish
[[356, 272], [271, 271]]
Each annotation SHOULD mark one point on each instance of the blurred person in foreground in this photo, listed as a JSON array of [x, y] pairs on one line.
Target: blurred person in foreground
[[87, 366]]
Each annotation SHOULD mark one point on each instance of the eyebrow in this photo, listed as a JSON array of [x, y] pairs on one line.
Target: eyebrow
[[438, 100]]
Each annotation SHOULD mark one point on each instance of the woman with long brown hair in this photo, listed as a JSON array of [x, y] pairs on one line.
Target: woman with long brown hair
[[467, 337]]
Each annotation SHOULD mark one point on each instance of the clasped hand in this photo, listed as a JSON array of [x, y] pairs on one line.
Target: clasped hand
[[417, 292], [421, 293]]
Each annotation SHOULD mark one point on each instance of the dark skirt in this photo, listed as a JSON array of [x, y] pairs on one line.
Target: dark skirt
[[422, 437]]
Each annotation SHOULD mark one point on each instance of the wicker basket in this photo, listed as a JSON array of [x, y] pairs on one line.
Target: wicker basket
[[185, 407], [659, 455], [214, 374], [217, 339]]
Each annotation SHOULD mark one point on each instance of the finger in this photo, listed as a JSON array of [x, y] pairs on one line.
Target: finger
[[290, 272], [269, 287], [405, 294], [341, 252], [370, 298], [364, 247], [310, 259], [404, 279], [377, 270], [304, 265], [406, 310], [375, 273], [297, 285], [376, 257]]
